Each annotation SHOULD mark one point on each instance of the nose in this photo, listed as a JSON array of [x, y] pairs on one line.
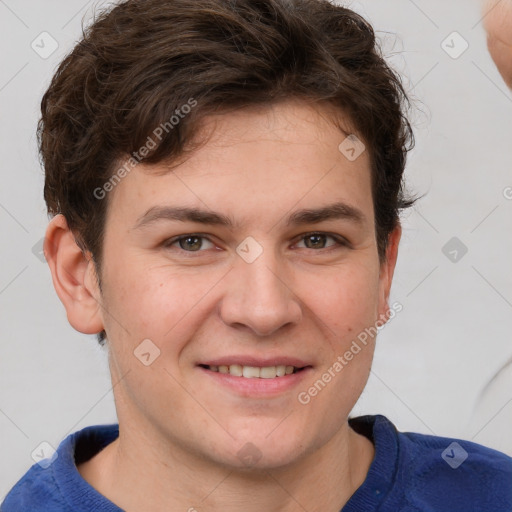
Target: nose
[[259, 296]]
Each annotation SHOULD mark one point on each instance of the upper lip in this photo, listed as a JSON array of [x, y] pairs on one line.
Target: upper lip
[[246, 360]]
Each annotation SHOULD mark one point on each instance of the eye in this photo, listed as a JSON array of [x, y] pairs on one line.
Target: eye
[[318, 240], [189, 243], [195, 242]]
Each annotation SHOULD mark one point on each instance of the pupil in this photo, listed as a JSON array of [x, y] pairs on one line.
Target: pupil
[[315, 238], [192, 246]]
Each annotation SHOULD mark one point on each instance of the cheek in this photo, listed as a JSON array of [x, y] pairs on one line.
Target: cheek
[[137, 302], [345, 298], [134, 300], [156, 302]]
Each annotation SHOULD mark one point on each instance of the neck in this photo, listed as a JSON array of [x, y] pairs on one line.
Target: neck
[[137, 473]]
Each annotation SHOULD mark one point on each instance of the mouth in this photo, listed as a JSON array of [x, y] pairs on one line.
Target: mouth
[[255, 372], [256, 377]]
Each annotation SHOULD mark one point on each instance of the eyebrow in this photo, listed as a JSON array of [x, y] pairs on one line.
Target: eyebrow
[[334, 211]]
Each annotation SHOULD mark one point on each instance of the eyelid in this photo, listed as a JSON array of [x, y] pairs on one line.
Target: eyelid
[[340, 241], [170, 241]]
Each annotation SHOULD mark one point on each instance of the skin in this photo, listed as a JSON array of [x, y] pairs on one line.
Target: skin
[[177, 423], [498, 24]]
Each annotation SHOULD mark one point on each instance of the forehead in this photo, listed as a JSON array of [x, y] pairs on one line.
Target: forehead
[[259, 159]]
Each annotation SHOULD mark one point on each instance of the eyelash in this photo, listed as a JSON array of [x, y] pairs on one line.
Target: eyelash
[[340, 242]]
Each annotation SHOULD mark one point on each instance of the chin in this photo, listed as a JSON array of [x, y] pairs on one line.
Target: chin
[[262, 451], [251, 458]]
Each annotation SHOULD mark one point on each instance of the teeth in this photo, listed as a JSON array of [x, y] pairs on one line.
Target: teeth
[[234, 369], [252, 372], [268, 372]]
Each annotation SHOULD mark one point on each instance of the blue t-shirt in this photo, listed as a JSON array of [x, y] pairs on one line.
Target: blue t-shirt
[[410, 473]]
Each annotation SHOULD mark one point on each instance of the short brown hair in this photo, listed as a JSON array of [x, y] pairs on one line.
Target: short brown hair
[[143, 60]]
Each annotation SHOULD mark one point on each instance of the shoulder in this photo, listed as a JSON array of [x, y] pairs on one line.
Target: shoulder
[[55, 485], [35, 491], [441, 473]]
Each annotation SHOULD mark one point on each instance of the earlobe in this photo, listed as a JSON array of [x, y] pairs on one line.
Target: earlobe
[[71, 274], [387, 270]]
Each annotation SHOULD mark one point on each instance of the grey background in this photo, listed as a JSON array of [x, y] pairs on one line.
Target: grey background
[[433, 361]]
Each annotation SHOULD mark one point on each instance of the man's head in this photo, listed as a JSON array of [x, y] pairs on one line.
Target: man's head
[[260, 230], [144, 77]]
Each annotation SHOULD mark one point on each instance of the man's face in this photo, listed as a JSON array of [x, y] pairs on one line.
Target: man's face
[[259, 293]]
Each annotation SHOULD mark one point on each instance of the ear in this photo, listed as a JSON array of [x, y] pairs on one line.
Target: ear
[[497, 21], [387, 269], [74, 277]]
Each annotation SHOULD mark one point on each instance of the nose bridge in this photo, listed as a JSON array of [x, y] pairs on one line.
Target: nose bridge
[[258, 295]]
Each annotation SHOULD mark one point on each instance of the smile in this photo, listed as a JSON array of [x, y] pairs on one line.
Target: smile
[[254, 372]]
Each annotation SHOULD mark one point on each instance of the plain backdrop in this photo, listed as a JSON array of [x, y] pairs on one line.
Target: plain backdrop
[[433, 361]]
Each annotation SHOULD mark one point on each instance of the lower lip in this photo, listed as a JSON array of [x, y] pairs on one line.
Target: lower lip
[[258, 386]]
